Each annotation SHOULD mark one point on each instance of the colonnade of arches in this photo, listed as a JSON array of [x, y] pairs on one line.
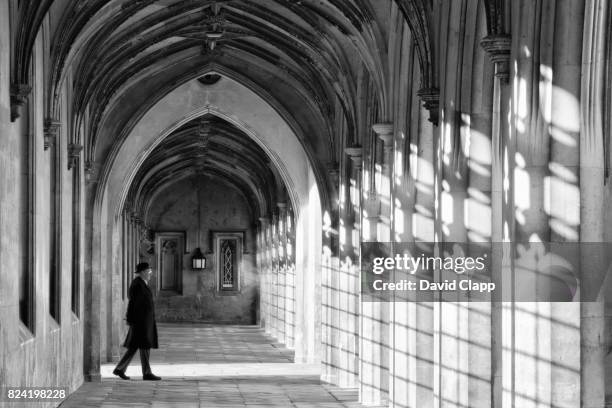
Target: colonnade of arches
[[337, 123]]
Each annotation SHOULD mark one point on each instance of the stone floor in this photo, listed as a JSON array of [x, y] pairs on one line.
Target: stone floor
[[217, 344], [209, 366]]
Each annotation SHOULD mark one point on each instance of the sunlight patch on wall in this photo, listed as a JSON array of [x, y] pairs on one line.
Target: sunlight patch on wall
[[398, 168], [522, 193]]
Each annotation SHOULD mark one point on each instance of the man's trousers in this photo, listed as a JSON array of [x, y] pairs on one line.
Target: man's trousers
[[127, 357]]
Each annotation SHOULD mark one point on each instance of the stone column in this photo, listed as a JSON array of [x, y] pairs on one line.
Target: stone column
[[290, 256], [384, 131], [355, 153], [545, 127], [259, 269], [74, 153], [498, 49], [353, 271], [593, 347], [91, 284], [276, 294], [51, 131], [333, 324], [282, 271], [264, 275], [374, 353], [19, 97], [125, 253]]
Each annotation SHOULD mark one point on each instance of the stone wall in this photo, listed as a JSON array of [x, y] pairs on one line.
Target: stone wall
[[46, 352], [197, 206], [515, 155]]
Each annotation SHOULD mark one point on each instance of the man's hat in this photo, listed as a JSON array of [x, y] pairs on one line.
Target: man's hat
[[143, 266]]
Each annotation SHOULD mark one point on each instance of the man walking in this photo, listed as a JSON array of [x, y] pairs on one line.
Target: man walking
[[141, 318]]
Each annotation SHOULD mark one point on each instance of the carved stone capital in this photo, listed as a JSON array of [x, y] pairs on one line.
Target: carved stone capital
[[92, 172], [263, 221], [385, 132], [431, 102], [354, 153], [498, 47], [135, 218], [74, 151], [19, 97], [334, 172], [50, 132]]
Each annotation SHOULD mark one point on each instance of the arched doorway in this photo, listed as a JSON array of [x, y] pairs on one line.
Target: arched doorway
[[247, 130]]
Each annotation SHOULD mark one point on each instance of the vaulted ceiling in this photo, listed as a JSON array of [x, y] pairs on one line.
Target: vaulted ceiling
[[208, 146], [308, 58], [130, 53], [309, 54]]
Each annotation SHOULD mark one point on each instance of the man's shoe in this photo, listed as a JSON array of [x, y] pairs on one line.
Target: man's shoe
[[151, 377], [120, 374]]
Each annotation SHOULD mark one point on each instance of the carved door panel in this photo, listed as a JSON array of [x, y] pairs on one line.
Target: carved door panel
[[170, 251]]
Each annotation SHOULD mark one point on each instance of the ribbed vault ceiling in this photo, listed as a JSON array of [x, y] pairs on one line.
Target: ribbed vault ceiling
[[130, 53], [208, 146], [310, 59]]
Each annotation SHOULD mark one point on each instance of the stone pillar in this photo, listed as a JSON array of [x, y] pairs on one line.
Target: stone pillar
[[124, 253], [545, 128], [593, 347], [352, 259], [92, 283], [498, 49], [290, 256], [333, 324], [281, 244], [276, 294], [385, 132], [19, 97], [355, 153], [51, 131], [74, 153], [374, 353], [262, 252], [419, 342], [133, 241]]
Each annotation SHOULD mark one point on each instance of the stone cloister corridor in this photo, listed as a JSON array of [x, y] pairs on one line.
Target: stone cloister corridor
[[204, 365], [288, 169]]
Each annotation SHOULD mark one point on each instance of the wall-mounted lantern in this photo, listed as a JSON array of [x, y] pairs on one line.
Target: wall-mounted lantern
[[198, 261]]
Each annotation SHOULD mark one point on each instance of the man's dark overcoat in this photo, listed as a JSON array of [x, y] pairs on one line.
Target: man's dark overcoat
[[141, 317]]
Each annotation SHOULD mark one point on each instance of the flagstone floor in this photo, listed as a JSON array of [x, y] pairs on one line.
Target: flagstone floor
[[208, 366]]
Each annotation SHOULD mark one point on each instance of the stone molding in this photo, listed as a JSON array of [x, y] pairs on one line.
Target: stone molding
[[334, 173], [355, 153], [385, 132], [74, 152], [135, 218], [19, 97], [50, 132], [498, 47], [264, 221], [92, 172], [431, 102]]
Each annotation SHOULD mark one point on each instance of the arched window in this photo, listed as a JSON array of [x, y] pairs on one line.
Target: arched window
[[228, 252]]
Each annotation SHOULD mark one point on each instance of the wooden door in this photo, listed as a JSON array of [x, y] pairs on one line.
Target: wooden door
[[170, 248]]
